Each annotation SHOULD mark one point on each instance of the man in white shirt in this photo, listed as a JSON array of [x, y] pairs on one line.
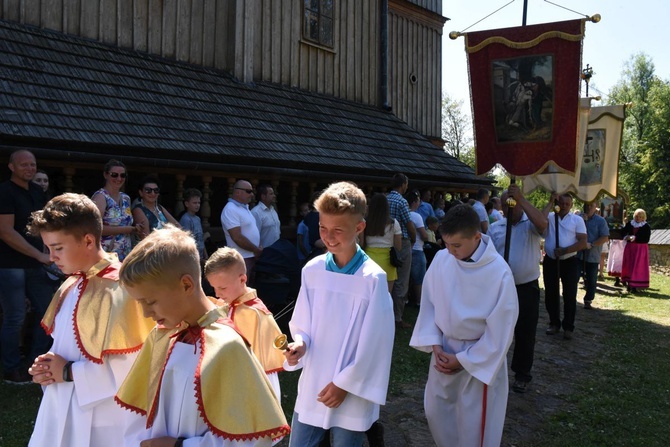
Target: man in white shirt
[[528, 225], [266, 216], [481, 200], [561, 260], [240, 227]]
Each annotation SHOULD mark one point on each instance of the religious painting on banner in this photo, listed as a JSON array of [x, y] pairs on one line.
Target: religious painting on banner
[[600, 131], [522, 98], [612, 210], [524, 84]]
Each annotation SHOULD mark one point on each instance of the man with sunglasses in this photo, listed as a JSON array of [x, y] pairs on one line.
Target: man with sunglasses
[[22, 258], [239, 226]]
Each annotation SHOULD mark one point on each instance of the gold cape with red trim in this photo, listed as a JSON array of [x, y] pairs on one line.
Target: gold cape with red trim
[[234, 396], [106, 320], [259, 328]]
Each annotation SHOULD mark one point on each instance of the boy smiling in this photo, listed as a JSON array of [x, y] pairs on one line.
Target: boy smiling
[[343, 329], [96, 330]]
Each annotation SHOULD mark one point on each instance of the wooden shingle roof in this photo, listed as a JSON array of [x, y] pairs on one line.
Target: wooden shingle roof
[[66, 92], [659, 237]]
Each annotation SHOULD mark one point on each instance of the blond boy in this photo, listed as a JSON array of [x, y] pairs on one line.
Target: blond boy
[[227, 274], [97, 331], [343, 329], [468, 312], [195, 380]]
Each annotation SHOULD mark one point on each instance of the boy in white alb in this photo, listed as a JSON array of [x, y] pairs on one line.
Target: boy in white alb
[[468, 311], [97, 331], [343, 327]]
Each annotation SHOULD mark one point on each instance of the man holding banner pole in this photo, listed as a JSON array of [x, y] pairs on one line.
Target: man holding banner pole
[[560, 265]]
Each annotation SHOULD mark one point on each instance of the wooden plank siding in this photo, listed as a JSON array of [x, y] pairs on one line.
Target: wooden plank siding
[[262, 40], [415, 49]]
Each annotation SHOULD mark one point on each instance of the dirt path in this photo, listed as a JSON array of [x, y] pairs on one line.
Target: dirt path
[[558, 364]]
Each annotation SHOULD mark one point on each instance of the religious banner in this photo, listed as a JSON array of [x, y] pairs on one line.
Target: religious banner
[[524, 85], [597, 158]]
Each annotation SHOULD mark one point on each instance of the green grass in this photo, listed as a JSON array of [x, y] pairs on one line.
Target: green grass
[[626, 400]]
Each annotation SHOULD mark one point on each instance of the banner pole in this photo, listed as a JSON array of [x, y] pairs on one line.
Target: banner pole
[[512, 181], [525, 11]]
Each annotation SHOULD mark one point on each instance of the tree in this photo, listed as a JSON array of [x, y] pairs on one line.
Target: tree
[[644, 168], [457, 131]]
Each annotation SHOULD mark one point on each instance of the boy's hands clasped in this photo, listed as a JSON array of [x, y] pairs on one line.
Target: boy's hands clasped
[[446, 363], [47, 369]]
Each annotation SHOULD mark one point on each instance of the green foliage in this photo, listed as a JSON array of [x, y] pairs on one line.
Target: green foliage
[[457, 131], [644, 167]]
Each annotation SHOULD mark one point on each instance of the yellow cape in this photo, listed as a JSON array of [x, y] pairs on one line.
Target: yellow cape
[[259, 328], [106, 320], [234, 397]]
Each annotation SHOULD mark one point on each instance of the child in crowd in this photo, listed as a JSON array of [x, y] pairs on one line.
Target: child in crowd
[[343, 328], [302, 239], [195, 380], [468, 311], [227, 274], [431, 227], [96, 329], [191, 222]]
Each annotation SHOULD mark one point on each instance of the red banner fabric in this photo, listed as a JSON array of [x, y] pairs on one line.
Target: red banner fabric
[[524, 84]]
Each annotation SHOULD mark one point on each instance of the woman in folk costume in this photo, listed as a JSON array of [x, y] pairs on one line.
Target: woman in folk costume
[[96, 329], [195, 382], [469, 308], [635, 266]]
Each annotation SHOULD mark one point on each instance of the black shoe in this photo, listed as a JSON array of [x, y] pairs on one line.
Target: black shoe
[[617, 283], [520, 386], [18, 377], [375, 435], [587, 305], [552, 330], [567, 335]]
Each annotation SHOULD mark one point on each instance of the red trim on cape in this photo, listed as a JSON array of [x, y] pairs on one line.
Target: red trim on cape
[[154, 404], [275, 433], [81, 286], [132, 408], [276, 370]]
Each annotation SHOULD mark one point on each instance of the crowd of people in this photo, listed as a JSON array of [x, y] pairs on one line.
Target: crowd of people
[[132, 351]]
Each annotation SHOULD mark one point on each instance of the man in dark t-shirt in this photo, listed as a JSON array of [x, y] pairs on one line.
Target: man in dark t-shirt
[[21, 265]]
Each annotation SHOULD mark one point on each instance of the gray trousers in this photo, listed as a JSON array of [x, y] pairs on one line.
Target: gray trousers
[[401, 285]]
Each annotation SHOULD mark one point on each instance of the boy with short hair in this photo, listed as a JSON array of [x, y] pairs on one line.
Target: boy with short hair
[[191, 222], [468, 312], [227, 274], [96, 329], [195, 380], [343, 327]]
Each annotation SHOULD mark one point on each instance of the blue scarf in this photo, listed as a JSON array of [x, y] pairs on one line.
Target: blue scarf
[[359, 258]]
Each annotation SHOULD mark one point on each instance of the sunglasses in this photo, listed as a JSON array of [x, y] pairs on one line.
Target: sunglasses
[[117, 174], [248, 191], [152, 190]]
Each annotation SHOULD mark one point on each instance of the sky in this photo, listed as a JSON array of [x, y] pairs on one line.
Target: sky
[[627, 27]]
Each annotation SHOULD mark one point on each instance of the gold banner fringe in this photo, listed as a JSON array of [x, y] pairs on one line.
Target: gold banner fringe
[[525, 45]]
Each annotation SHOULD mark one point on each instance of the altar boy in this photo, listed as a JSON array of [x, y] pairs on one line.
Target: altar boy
[[195, 382], [97, 331], [468, 311], [343, 328]]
